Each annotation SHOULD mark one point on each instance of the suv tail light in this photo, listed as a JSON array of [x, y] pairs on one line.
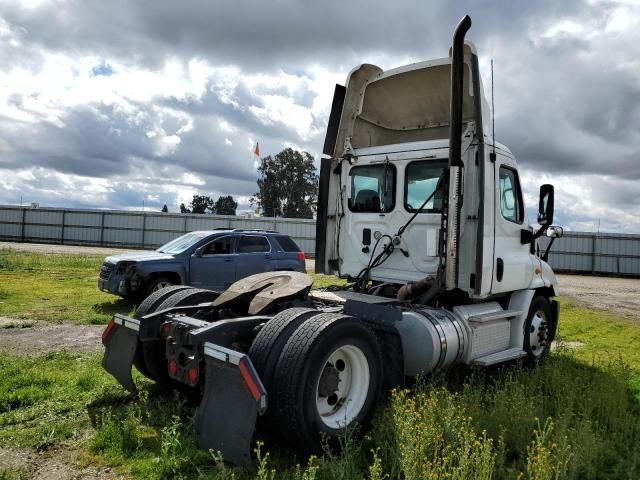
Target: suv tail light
[[301, 256]]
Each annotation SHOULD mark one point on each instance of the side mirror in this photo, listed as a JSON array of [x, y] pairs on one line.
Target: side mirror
[[545, 207], [199, 250], [555, 232]]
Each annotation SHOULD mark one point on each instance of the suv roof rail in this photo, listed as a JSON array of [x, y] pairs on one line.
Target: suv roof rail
[[252, 230]]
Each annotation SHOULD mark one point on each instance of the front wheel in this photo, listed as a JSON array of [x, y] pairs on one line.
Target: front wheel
[[327, 379], [538, 329]]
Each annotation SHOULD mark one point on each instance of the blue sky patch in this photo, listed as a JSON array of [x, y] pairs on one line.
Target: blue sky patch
[[103, 69]]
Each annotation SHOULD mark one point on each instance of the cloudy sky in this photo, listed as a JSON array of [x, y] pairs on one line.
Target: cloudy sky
[[112, 103]]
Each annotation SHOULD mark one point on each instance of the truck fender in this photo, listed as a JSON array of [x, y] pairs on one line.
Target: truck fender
[[544, 277], [520, 300], [381, 319]]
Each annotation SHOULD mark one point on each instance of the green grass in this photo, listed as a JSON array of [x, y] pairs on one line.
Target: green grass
[[55, 288], [565, 417], [575, 416], [605, 335], [64, 288]]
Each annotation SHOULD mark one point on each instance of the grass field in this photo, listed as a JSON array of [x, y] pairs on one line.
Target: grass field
[[575, 416], [63, 288]]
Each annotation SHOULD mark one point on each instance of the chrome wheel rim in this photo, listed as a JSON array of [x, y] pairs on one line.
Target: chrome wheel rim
[[538, 334], [161, 285]]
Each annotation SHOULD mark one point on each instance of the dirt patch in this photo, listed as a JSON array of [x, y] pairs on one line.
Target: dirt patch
[[562, 345], [29, 338], [619, 295], [50, 465]]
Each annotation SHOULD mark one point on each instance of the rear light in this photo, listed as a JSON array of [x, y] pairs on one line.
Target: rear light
[[301, 256], [193, 375], [107, 331], [166, 329], [172, 367], [248, 377]]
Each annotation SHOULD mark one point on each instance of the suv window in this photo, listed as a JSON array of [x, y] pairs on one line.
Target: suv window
[[373, 188], [252, 244], [287, 244], [511, 205], [221, 246], [421, 179]]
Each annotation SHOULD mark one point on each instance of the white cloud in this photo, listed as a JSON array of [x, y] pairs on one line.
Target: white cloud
[[108, 104]]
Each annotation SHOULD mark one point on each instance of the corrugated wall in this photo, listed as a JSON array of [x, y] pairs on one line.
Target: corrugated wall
[[117, 228], [596, 253], [604, 253]]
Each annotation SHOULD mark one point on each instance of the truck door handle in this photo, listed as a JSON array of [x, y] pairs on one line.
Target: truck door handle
[[228, 259], [499, 269]]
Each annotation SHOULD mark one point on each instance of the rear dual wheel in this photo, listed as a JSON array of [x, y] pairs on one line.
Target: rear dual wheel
[[151, 354], [327, 379], [148, 306]]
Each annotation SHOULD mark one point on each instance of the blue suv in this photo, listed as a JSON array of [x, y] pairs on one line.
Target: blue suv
[[211, 259]]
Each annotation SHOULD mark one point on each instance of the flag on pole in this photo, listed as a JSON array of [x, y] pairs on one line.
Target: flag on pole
[[256, 151]]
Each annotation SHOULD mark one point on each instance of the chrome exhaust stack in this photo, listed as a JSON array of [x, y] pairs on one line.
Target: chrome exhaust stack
[[455, 154]]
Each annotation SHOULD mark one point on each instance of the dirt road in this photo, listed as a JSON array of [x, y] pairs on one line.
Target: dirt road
[[61, 249], [29, 338], [617, 295]]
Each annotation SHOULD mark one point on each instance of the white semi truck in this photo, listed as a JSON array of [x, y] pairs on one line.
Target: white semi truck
[[423, 211]]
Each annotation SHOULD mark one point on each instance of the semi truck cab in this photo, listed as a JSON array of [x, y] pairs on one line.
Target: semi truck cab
[[390, 180]]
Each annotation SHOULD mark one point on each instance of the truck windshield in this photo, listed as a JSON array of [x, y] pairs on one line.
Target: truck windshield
[[182, 243]]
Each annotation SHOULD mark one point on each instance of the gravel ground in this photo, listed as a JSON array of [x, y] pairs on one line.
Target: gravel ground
[[61, 249], [51, 465], [618, 295], [28, 338]]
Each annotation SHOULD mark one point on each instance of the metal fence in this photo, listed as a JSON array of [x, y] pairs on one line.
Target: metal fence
[[584, 252], [595, 253], [121, 228]]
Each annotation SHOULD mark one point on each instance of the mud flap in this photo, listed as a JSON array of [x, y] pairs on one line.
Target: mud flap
[[233, 398], [120, 339]]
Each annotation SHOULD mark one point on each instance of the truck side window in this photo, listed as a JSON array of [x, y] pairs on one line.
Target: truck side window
[[421, 179], [373, 188], [510, 196]]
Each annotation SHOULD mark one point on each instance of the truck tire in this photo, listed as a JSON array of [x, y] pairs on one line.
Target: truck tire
[[271, 339], [154, 351], [327, 379], [538, 330], [148, 306]]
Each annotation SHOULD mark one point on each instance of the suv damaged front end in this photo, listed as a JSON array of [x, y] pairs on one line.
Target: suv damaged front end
[[119, 278]]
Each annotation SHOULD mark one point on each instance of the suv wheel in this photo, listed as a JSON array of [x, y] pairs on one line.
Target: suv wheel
[[159, 283]]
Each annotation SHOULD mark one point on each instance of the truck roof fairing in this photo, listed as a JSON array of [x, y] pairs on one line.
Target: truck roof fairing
[[406, 104]]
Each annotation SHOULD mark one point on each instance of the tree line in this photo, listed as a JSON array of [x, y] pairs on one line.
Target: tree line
[[287, 187]]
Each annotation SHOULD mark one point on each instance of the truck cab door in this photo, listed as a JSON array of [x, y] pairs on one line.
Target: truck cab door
[[214, 264], [512, 264]]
